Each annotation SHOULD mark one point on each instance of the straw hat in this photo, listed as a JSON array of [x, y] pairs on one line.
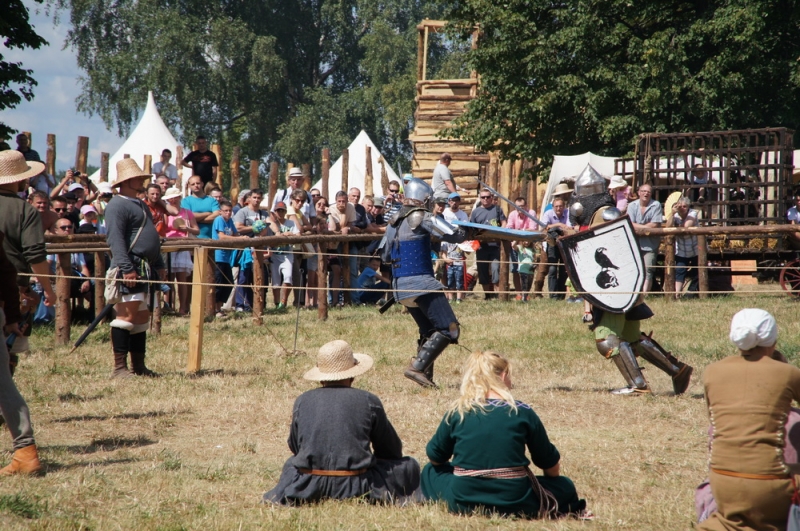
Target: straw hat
[[337, 361], [127, 169], [562, 188], [296, 172], [171, 193], [14, 168], [617, 182]]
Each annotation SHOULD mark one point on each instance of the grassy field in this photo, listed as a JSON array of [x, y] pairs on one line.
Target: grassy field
[[197, 452]]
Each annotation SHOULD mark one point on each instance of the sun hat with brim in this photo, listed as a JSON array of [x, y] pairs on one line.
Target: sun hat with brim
[[562, 188], [127, 169], [104, 189], [171, 193], [14, 168], [617, 182], [296, 172], [337, 361]]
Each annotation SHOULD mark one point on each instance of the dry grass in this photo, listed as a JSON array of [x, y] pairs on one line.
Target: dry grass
[[196, 453]]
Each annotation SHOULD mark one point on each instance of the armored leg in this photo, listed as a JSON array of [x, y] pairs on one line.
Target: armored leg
[[426, 355], [625, 360], [681, 373]]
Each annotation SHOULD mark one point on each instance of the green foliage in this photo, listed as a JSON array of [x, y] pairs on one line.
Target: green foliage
[[569, 77], [16, 82], [279, 78]]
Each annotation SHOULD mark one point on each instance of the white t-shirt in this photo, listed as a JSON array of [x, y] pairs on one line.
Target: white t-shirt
[[459, 215], [793, 215], [170, 171]]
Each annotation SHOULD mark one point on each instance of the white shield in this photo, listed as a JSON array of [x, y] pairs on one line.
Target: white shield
[[605, 264]]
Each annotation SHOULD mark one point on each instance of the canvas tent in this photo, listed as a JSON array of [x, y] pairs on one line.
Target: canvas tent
[[149, 137], [357, 164]]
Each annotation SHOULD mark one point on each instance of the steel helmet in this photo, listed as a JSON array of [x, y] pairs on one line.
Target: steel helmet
[[418, 190], [589, 182]]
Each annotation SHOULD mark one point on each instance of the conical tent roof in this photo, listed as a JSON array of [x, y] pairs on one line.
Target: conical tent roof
[[357, 165], [149, 137]]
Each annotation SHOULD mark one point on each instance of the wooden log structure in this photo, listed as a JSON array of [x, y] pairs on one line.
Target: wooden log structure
[[217, 150], [210, 291], [99, 283], [50, 157], [384, 176], [273, 182], [104, 160], [368, 173], [322, 285], [197, 312]]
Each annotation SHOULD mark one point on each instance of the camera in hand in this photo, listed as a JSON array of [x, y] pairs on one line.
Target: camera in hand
[[76, 173]]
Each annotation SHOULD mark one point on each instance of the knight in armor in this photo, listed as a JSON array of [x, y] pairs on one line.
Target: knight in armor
[[618, 335], [408, 249]]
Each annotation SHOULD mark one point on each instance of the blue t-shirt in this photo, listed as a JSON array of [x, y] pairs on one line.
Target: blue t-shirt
[[225, 227], [199, 206]]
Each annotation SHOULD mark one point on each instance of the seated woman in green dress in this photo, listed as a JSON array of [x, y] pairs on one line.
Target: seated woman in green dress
[[478, 452]]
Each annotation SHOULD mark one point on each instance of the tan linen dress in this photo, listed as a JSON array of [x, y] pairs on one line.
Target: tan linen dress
[[748, 403]]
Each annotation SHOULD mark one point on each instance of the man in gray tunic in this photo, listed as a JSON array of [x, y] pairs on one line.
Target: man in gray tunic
[[332, 429], [408, 249], [136, 250]]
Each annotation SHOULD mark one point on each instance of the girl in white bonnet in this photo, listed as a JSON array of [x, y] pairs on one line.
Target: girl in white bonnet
[[749, 396]]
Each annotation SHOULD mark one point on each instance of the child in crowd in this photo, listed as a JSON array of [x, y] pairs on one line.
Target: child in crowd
[[282, 262], [526, 260], [371, 283], [223, 228], [454, 258]]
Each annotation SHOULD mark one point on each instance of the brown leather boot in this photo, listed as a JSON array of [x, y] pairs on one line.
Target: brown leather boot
[[24, 461], [121, 366]]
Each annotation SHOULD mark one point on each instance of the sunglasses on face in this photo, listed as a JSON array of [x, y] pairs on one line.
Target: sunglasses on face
[[60, 209], [486, 197], [65, 227]]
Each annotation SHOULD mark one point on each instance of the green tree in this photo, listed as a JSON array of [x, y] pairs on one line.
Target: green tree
[[16, 82], [277, 77], [573, 76]]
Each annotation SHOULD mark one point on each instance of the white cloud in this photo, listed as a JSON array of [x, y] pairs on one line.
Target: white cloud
[[53, 107]]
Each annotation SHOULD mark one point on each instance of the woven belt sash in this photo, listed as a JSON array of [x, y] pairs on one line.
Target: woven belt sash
[[334, 473], [745, 475], [513, 472]]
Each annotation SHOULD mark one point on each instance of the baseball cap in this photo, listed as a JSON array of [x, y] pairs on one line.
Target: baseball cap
[[104, 189], [87, 208], [280, 205], [440, 199], [74, 186], [453, 195]]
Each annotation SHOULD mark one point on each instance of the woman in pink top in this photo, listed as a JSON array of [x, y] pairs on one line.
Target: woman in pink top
[[180, 226], [519, 221], [620, 191]]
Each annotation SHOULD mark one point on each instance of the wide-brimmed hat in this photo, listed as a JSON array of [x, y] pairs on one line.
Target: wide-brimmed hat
[[617, 181], [14, 168], [127, 169], [171, 193], [337, 361], [296, 172], [562, 188]]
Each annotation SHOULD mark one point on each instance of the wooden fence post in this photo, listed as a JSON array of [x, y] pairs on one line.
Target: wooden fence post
[[258, 284], [669, 270], [322, 278], [368, 189], [326, 172], [234, 169], [63, 307], [180, 168], [104, 157], [99, 283], [158, 301], [345, 173], [273, 182], [217, 150], [384, 176], [211, 300], [345, 274], [253, 174], [50, 168], [504, 265], [197, 314], [702, 265], [82, 153]]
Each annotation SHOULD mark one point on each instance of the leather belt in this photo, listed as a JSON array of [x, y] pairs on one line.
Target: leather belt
[[334, 473], [745, 475]]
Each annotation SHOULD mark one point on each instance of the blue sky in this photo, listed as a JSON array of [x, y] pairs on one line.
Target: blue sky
[[53, 108]]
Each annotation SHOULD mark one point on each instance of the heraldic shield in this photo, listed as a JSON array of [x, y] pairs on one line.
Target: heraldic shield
[[605, 264]]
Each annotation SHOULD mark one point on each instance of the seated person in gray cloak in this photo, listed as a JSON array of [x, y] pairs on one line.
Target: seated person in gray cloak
[[332, 429]]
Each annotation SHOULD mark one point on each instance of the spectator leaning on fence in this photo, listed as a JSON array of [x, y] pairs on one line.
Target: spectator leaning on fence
[[79, 286], [488, 256], [646, 213], [282, 260], [686, 245], [341, 218], [182, 225], [519, 221], [295, 182], [204, 207], [249, 221], [223, 229]]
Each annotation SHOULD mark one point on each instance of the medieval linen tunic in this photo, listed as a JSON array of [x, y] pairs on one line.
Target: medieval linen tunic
[[490, 439], [748, 403], [332, 429]]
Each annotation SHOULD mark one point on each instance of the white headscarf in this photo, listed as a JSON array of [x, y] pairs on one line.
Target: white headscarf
[[753, 327]]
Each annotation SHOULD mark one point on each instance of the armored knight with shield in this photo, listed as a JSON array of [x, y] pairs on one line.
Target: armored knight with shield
[[407, 247], [605, 263]]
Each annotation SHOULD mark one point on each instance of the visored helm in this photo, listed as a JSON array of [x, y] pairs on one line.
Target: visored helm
[[589, 182], [419, 191]]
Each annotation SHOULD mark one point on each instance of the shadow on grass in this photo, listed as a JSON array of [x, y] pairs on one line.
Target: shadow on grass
[[130, 416], [72, 397], [108, 444], [52, 466]]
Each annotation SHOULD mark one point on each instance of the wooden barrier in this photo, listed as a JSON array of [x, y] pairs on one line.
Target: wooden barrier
[[63, 306], [345, 173], [273, 183], [197, 313], [326, 171]]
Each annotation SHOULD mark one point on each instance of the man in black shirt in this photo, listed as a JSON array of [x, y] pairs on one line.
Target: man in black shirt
[[202, 161]]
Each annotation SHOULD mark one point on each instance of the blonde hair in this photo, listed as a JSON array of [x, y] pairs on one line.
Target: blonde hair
[[483, 373]]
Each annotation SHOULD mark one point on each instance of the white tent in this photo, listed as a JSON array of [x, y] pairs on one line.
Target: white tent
[[149, 137], [357, 166], [566, 168]]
